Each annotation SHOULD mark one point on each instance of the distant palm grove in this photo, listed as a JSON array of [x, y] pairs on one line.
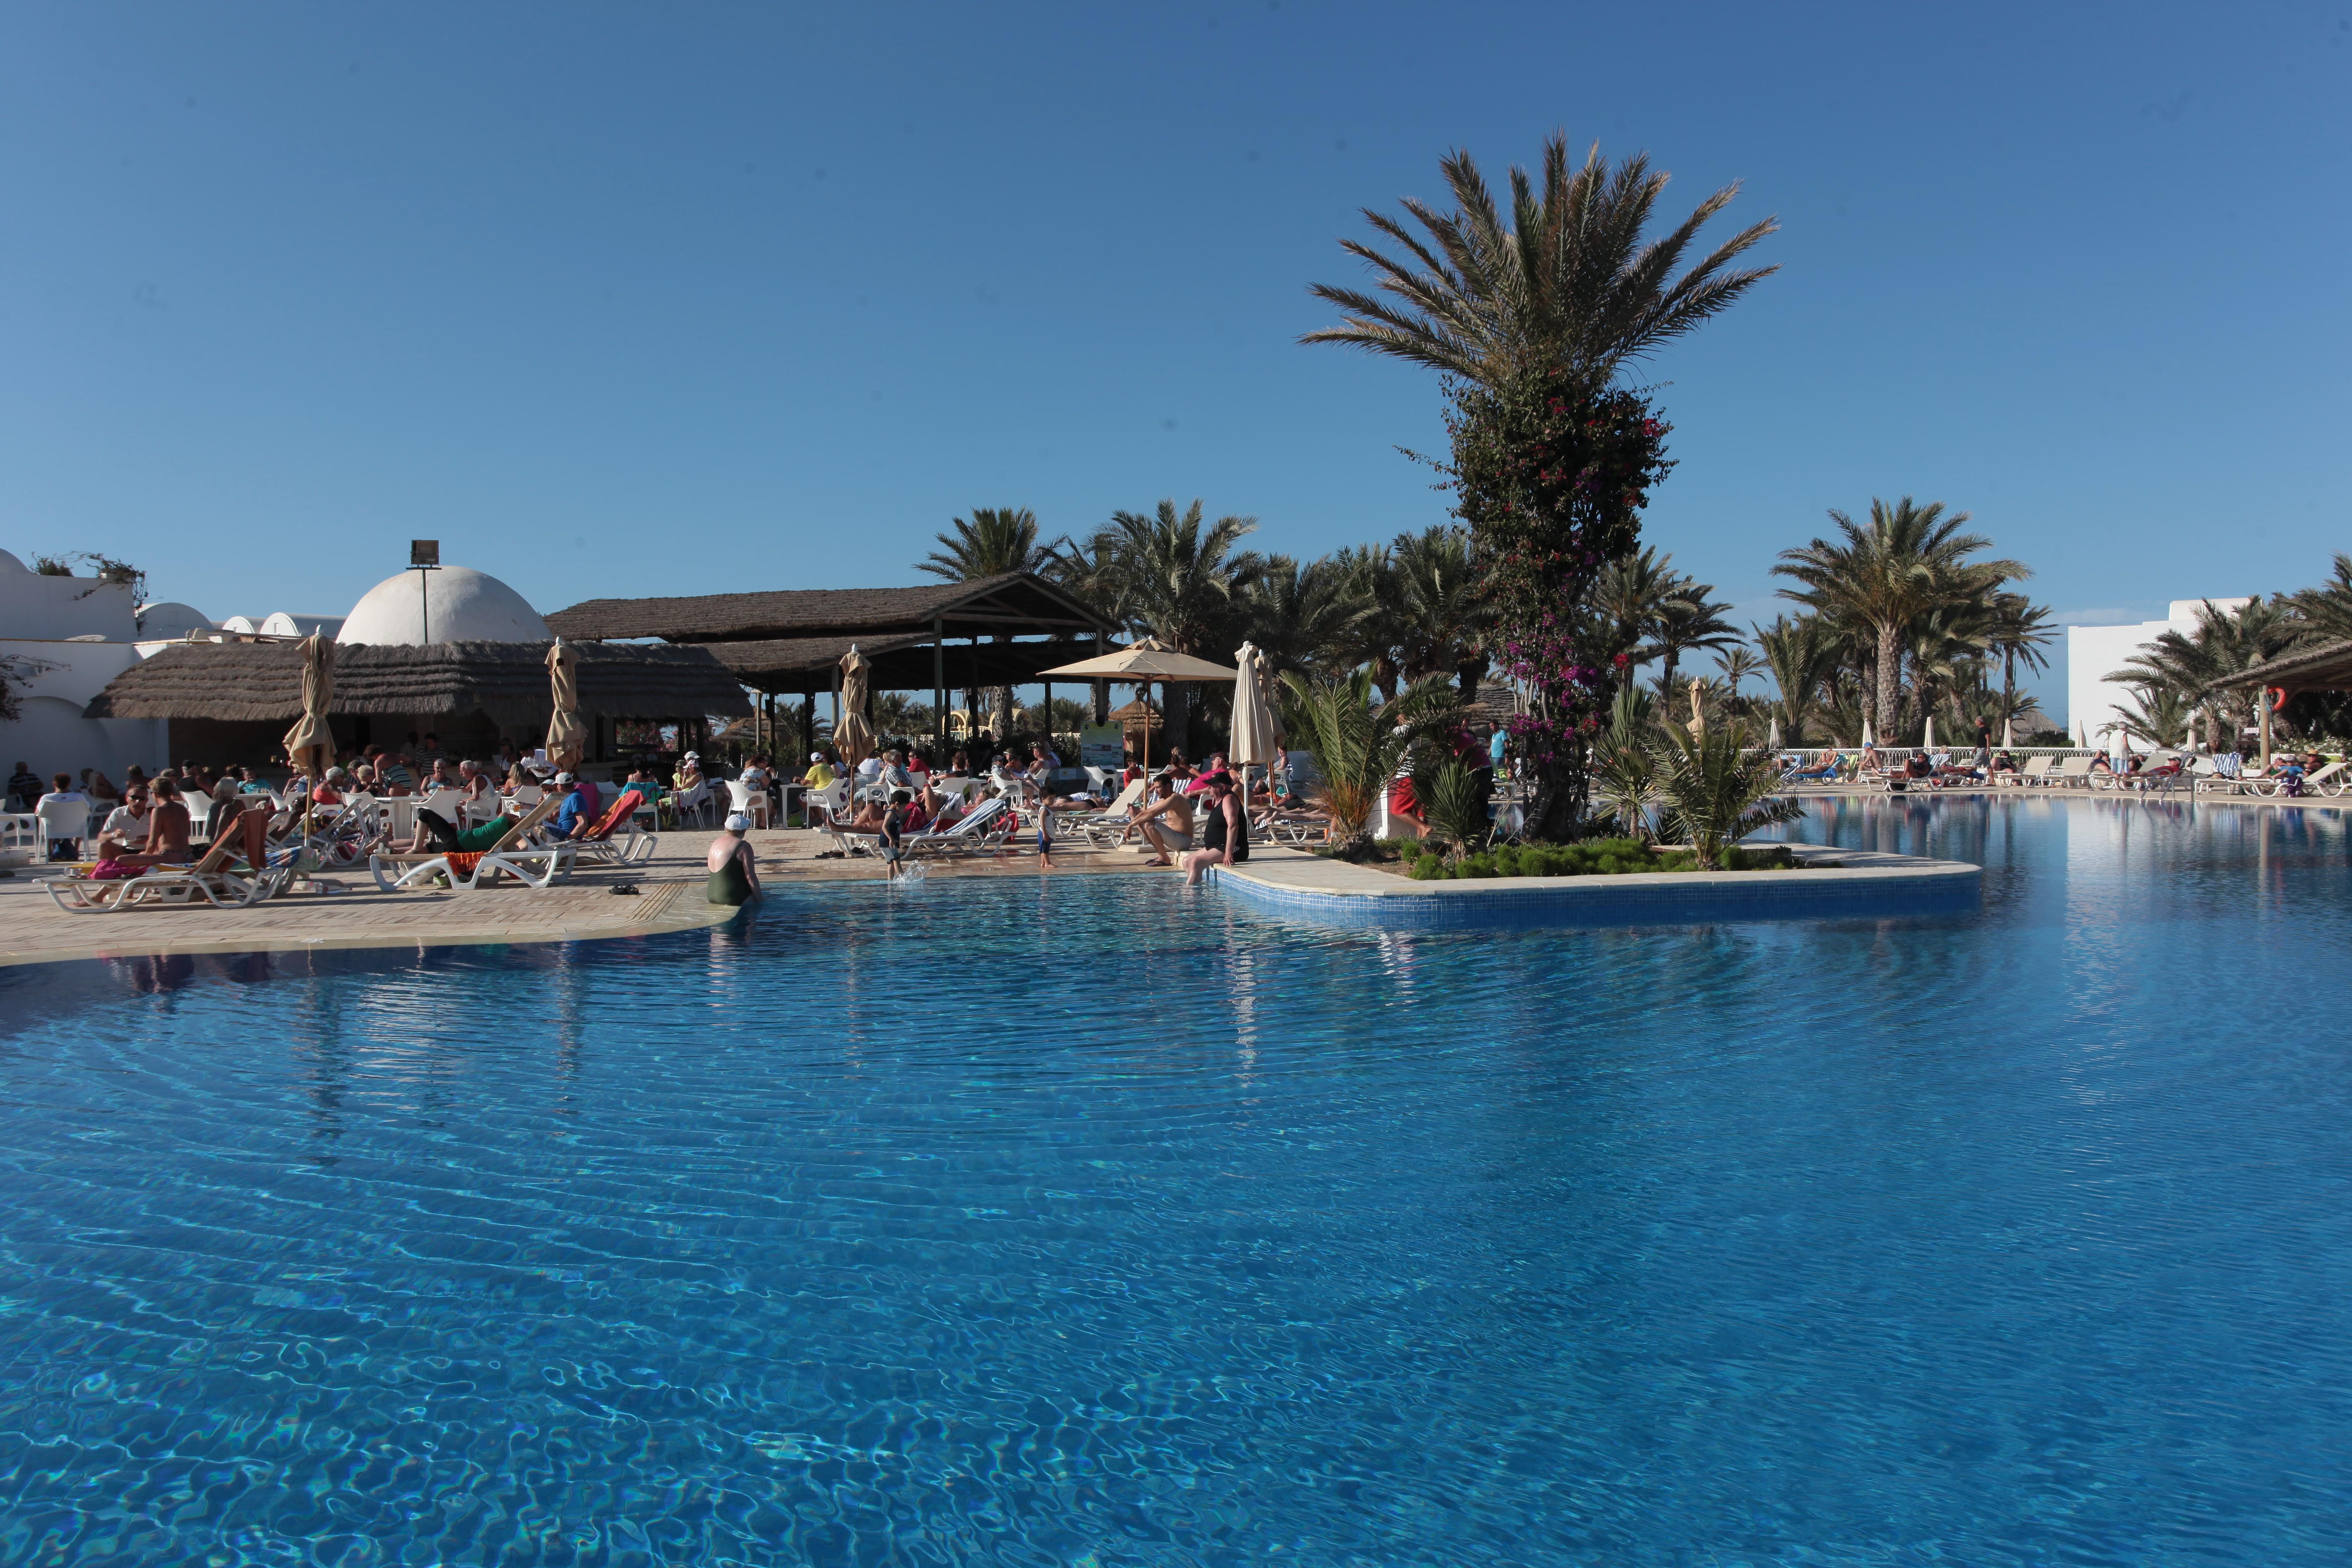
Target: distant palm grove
[[1538, 599]]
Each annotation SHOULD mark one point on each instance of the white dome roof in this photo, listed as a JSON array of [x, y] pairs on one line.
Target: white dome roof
[[10, 564], [466, 605]]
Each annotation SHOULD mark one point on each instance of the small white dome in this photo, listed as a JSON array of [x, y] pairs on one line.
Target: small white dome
[[466, 606], [10, 564], [168, 618]]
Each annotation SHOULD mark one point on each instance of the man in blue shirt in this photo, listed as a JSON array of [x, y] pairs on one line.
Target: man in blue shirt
[[572, 814]]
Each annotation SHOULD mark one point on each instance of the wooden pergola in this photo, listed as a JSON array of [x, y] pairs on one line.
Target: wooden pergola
[[2325, 668], [991, 631]]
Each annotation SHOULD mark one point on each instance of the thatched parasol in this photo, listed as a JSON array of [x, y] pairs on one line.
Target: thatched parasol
[[567, 734], [310, 744], [853, 733]]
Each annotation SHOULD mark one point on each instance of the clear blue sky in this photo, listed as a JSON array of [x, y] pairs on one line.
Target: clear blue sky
[[633, 299]]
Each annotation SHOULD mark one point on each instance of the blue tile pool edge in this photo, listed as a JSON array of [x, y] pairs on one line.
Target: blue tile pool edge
[[1891, 886]]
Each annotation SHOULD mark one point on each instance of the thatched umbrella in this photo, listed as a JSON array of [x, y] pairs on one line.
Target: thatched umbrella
[[310, 744], [567, 733], [853, 734]]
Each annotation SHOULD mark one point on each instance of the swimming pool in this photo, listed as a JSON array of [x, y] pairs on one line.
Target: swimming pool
[[1098, 1221]]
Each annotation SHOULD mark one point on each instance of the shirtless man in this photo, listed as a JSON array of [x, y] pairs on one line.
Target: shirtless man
[[1167, 822]]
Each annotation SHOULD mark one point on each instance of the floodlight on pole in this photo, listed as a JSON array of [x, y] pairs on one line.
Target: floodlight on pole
[[424, 555]]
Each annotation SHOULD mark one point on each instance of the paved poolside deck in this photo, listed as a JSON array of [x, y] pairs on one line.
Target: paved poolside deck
[[33, 930]]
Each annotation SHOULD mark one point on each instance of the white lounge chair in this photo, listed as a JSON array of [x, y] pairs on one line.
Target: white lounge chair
[[512, 855], [214, 879]]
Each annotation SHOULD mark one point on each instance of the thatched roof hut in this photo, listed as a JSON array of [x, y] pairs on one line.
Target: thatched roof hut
[[1016, 603], [506, 682]]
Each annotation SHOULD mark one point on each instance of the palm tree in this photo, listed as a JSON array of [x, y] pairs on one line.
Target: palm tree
[[1359, 748], [1686, 621], [1301, 617], [1713, 790], [2159, 715], [2021, 629], [994, 541], [1441, 613], [1565, 283], [1908, 563], [1380, 632], [2225, 643], [2326, 610], [1737, 662], [1180, 579], [1632, 595], [1801, 656]]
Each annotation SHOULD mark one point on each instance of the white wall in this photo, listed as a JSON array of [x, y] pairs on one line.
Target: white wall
[[2093, 653], [51, 609], [53, 736]]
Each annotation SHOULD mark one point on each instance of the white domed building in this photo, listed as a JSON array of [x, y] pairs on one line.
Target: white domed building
[[450, 662], [448, 604]]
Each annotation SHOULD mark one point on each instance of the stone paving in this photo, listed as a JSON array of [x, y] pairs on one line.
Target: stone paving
[[33, 930]]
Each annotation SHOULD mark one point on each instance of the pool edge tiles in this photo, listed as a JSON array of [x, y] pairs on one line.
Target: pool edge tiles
[[1332, 892]]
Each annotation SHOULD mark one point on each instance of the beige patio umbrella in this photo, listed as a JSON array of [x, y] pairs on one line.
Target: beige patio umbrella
[[310, 742], [567, 733], [1258, 727], [853, 733], [1140, 664]]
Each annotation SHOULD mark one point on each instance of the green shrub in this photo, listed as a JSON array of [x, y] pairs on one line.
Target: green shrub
[[1593, 858]]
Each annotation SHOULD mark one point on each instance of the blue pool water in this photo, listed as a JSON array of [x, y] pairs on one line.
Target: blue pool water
[[1096, 1222]]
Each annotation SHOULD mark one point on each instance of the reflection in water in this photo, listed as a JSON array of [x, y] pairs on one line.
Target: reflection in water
[[1096, 1221]]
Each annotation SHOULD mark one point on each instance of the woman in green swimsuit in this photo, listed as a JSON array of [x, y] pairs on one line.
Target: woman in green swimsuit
[[734, 879]]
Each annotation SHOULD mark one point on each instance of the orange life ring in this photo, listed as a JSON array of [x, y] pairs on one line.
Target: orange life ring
[[2277, 694]]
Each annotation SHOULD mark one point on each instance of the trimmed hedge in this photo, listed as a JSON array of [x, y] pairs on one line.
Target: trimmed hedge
[[1594, 858]]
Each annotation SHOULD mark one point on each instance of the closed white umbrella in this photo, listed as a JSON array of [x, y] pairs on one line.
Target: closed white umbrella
[[310, 744], [1257, 735], [1928, 743], [1772, 738], [1866, 739], [2008, 733], [853, 733], [567, 733]]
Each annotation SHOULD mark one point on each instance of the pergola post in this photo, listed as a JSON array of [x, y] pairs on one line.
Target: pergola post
[[940, 686], [1102, 689]]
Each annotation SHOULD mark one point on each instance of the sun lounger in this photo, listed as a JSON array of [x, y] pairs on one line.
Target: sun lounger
[[984, 826], [1112, 820], [2034, 768], [2070, 771], [1292, 827], [216, 879], [532, 866], [597, 844]]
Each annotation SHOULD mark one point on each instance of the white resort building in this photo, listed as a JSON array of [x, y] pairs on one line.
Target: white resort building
[[64, 638], [2094, 702]]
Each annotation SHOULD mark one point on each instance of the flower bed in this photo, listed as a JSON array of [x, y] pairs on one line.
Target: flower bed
[[1594, 858]]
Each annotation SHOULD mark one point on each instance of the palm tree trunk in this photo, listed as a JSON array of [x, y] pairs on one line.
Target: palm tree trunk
[[1890, 679]]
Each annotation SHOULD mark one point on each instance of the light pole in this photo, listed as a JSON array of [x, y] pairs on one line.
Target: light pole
[[425, 556]]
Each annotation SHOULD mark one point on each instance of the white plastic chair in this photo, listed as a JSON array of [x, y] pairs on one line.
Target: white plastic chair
[[824, 805], [752, 803], [63, 819], [697, 800]]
